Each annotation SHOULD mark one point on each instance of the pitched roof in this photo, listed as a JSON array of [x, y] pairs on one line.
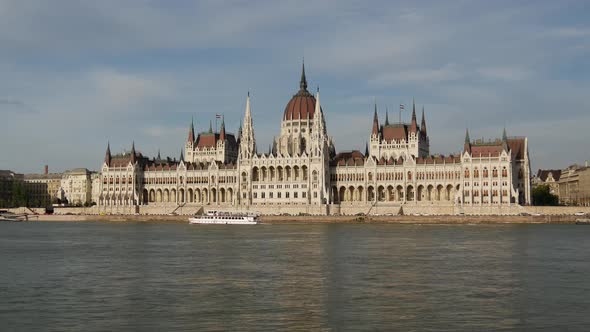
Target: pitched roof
[[544, 173], [349, 158], [394, 132], [517, 146], [209, 140], [486, 150]]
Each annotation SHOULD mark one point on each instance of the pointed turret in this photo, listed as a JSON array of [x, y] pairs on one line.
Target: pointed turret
[[375, 122], [181, 155], [414, 124], [318, 137], [133, 157], [191, 132], [386, 116], [319, 114], [505, 140], [247, 142], [303, 81], [366, 149], [159, 156], [222, 131], [107, 156], [210, 127], [467, 145], [423, 124]]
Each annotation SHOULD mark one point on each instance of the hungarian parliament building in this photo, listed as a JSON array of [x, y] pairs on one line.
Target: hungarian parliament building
[[302, 173]]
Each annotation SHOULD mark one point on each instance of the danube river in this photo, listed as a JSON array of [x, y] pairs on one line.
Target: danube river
[[85, 276]]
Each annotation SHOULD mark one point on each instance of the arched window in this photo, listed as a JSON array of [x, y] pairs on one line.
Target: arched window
[[476, 173], [485, 172], [466, 173]]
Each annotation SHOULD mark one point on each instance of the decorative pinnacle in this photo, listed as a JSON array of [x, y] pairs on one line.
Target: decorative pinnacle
[[303, 81]]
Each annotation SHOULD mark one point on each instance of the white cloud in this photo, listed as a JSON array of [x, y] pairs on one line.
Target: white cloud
[[570, 32], [445, 73], [506, 73], [116, 70], [122, 91]]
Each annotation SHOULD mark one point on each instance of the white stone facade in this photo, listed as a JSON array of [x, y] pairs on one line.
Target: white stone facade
[[76, 186], [303, 174]]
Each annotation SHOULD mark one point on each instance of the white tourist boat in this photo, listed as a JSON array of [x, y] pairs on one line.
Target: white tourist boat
[[225, 218]]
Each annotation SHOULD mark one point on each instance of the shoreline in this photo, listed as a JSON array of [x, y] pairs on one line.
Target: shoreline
[[271, 219]]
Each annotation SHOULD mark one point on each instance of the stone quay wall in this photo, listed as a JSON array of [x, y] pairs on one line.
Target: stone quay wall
[[319, 210]]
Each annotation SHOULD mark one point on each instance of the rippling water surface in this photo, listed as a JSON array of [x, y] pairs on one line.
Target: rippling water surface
[[174, 277]]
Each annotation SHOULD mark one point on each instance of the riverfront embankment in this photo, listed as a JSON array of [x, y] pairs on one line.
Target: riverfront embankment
[[550, 219]]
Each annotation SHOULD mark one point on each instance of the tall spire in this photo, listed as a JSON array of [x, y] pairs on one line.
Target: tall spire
[[107, 156], [133, 158], [467, 145], [366, 149], [318, 130], [159, 157], [504, 136], [181, 155], [247, 142], [319, 114], [423, 124], [222, 131], [386, 116], [414, 124], [375, 122], [303, 81], [210, 127], [191, 132]]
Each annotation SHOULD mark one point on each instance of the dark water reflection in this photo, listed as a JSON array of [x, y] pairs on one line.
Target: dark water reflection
[[158, 277]]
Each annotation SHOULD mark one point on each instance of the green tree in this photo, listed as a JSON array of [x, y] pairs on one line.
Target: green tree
[[19, 194], [542, 196]]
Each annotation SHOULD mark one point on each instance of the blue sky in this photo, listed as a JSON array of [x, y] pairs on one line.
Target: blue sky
[[76, 74]]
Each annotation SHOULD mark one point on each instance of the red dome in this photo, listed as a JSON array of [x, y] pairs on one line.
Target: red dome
[[301, 106]]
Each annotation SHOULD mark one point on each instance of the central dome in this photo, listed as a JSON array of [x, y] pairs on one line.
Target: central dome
[[302, 105]]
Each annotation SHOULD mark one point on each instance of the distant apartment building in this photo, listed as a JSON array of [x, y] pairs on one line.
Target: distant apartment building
[[7, 183], [574, 185], [76, 186], [549, 177], [42, 189]]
